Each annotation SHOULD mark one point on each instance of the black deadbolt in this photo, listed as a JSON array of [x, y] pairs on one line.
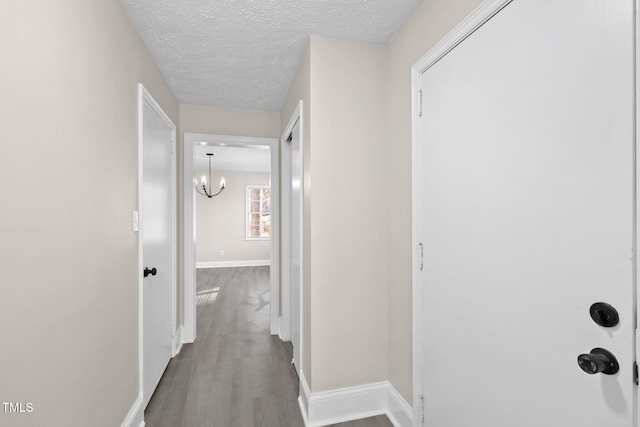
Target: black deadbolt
[[599, 360], [604, 314], [150, 271]]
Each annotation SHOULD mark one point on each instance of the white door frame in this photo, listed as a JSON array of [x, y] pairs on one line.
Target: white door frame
[[144, 95], [285, 234], [463, 30], [470, 24], [189, 219], [285, 320], [636, 214]]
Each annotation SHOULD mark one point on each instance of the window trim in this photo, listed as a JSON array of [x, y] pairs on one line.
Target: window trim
[[247, 208]]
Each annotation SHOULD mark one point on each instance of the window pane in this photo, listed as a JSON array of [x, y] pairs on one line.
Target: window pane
[[258, 212]]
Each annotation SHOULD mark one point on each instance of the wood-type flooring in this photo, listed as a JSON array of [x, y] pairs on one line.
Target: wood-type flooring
[[235, 373]]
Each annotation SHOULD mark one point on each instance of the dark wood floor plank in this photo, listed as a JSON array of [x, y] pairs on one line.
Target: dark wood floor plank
[[236, 374]]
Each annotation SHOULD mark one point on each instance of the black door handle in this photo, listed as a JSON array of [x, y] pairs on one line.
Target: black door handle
[[150, 271], [599, 360]]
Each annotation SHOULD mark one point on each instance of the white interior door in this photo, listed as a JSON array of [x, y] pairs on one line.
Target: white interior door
[[526, 207], [157, 245], [296, 244]]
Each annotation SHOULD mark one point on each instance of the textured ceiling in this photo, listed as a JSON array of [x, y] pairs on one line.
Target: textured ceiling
[[244, 53]]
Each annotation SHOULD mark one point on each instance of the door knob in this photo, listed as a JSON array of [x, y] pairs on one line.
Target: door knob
[[150, 271], [599, 360]]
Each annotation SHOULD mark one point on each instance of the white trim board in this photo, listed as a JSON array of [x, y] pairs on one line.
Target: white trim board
[[281, 330], [464, 29], [353, 403], [177, 342], [398, 410], [286, 232], [636, 160], [221, 264], [135, 417]]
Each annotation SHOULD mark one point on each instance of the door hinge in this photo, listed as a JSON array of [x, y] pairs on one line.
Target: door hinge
[[635, 373], [421, 409], [421, 256], [173, 147], [420, 103]]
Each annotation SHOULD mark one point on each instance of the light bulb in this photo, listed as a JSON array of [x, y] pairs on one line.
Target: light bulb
[[223, 183]]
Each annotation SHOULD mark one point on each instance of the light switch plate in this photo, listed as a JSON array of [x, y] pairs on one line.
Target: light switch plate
[[135, 221]]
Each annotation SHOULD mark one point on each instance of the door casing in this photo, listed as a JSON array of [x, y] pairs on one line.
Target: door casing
[[286, 309], [189, 221], [144, 95], [470, 24]]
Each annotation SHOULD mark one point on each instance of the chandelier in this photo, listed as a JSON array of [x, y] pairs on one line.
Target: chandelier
[[202, 186]]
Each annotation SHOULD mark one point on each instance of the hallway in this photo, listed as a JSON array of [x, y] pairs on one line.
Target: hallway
[[235, 374]]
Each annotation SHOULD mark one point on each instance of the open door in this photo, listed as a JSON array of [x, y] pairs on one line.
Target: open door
[[525, 219]]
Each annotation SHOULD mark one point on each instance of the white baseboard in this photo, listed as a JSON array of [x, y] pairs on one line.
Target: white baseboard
[[303, 398], [220, 264], [135, 417], [275, 328], [353, 403], [280, 329], [178, 341], [398, 410]]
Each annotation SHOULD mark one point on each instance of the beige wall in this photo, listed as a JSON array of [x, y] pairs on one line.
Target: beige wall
[[348, 89], [348, 242], [345, 308], [216, 121], [69, 306], [229, 121], [220, 221], [433, 20], [69, 286]]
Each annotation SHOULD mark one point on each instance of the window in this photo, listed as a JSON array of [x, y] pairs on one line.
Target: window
[[258, 212]]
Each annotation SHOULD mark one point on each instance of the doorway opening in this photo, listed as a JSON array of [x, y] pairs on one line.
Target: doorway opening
[[232, 158]]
